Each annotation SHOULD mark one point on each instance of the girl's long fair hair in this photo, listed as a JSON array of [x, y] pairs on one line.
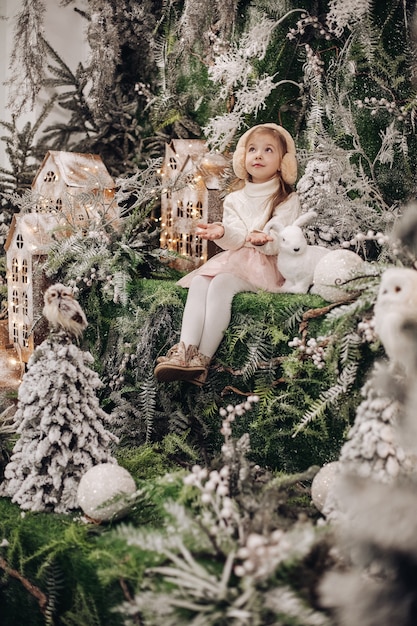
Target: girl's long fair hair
[[284, 189]]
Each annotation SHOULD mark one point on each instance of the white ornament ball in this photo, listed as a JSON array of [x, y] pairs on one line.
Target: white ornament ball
[[104, 490], [332, 270], [323, 481]]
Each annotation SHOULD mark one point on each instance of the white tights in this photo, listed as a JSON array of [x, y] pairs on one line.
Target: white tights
[[208, 310]]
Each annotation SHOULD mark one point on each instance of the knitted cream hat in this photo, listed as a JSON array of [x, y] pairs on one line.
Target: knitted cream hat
[[288, 163]]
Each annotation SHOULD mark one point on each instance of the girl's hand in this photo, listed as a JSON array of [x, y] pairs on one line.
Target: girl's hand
[[210, 231], [258, 238]]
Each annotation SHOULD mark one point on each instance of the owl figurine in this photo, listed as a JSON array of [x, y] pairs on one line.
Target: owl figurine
[[62, 310], [396, 318]]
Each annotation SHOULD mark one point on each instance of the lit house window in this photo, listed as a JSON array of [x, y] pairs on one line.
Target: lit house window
[[198, 247], [25, 303], [15, 270], [24, 271], [25, 336], [15, 301], [177, 242], [189, 211], [188, 244], [15, 333]]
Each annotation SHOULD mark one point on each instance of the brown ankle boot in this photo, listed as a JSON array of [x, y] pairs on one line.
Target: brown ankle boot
[[180, 363], [201, 378]]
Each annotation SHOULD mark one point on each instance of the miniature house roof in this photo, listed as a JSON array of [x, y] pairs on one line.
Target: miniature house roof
[[193, 154], [76, 169], [194, 148], [35, 229]]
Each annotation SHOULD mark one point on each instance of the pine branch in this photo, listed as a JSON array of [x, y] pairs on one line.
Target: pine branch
[[28, 57]]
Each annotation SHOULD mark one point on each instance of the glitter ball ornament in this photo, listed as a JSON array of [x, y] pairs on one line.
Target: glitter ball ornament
[[104, 490], [322, 483], [332, 271]]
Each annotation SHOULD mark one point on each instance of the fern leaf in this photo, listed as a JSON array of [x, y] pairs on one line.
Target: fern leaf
[[147, 405], [318, 408]]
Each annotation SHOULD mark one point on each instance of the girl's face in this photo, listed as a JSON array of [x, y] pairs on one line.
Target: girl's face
[[263, 157]]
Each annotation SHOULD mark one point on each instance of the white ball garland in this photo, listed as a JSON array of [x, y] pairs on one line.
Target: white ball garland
[[322, 483], [332, 270], [105, 492]]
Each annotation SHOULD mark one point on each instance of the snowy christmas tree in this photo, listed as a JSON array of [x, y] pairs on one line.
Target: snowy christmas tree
[[60, 423]]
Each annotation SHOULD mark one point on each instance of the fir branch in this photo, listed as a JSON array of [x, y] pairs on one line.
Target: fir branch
[[27, 64], [23, 151], [103, 37]]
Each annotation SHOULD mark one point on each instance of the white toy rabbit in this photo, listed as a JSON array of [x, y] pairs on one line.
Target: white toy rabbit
[[296, 258], [304, 266]]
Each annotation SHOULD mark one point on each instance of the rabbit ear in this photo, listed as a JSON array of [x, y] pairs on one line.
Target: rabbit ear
[[274, 224], [305, 218]]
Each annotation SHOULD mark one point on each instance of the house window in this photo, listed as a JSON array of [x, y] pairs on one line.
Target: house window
[[169, 218], [19, 241], [50, 177], [15, 333], [15, 270], [176, 241], [25, 303], [188, 240], [198, 248], [172, 163], [180, 208], [15, 301], [189, 211], [58, 204], [199, 207], [25, 271], [25, 336]]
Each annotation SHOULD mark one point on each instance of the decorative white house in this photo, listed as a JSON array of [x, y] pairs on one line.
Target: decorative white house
[[69, 191], [196, 198], [77, 185]]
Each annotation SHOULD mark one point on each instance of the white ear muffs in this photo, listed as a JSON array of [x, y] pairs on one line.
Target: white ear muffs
[[289, 160], [289, 168], [239, 159]]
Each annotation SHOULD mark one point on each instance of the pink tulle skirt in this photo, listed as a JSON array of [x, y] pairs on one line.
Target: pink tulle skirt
[[247, 263]]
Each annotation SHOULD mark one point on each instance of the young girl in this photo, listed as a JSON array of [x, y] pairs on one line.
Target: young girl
[[265, 160]]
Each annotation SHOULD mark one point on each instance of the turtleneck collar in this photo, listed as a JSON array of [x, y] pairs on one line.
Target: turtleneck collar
[[262, 189]]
